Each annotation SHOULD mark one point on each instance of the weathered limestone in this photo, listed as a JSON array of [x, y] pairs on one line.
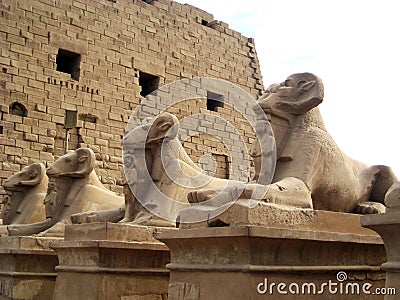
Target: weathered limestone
[[164, 179], [387, 225], [111, 261], [239, 213], [27, 268], [307, 152], [73, 188], [77, 187], [231, 262], [27, 190], [163, 39], [118, 52], [311, 170]]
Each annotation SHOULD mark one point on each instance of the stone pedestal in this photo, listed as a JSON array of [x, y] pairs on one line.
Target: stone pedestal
[[325, 250], [27, 268], [111, 261], [388, 227]]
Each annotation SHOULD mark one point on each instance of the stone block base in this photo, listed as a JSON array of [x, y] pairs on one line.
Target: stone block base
[[277, 262], [27, 268], [388, 227], [111, 261]]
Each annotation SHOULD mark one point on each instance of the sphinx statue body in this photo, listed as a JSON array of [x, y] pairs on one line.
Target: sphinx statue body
[[164, 179], [26, 191], [72, 187], [306, 150]]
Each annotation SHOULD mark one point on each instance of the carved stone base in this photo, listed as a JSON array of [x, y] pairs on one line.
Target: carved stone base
[[111, 261], [27, 268], [388, 226], [267, 214], [250, 262]]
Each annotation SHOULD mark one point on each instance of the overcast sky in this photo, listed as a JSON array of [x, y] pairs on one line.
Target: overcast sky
[[352, 45]]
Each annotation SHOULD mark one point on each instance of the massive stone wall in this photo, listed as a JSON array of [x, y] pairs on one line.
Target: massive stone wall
[[98, 59]]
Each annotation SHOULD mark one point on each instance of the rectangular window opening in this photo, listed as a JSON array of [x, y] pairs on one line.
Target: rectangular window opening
[[148, 83], [210, 24], [69, 62], [70, 119], [204, 22], [222, 165], [214, 101]]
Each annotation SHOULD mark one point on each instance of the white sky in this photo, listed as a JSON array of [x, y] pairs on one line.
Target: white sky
[[352, 45]]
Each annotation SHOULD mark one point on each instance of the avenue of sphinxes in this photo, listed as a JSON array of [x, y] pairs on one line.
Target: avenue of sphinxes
[[142, 158]]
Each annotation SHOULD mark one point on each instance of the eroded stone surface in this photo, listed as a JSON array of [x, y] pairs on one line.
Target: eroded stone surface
[[216, 260], [27, 268], [387, 225], [103, 101], [111, 261], [27, 190], [111, 232], [306, 152], [73, 188]]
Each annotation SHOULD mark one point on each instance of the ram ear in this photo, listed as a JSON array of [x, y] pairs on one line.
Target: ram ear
[[164, 126], [34, 175], [307, 86], [86, 161]]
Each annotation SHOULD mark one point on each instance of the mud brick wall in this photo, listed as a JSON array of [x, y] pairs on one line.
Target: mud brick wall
[[98, 59], [218, 152], [217, 137]]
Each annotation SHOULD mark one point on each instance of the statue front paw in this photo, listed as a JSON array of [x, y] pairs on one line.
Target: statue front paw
[[369, 207], [88, 217], [198, 196]]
